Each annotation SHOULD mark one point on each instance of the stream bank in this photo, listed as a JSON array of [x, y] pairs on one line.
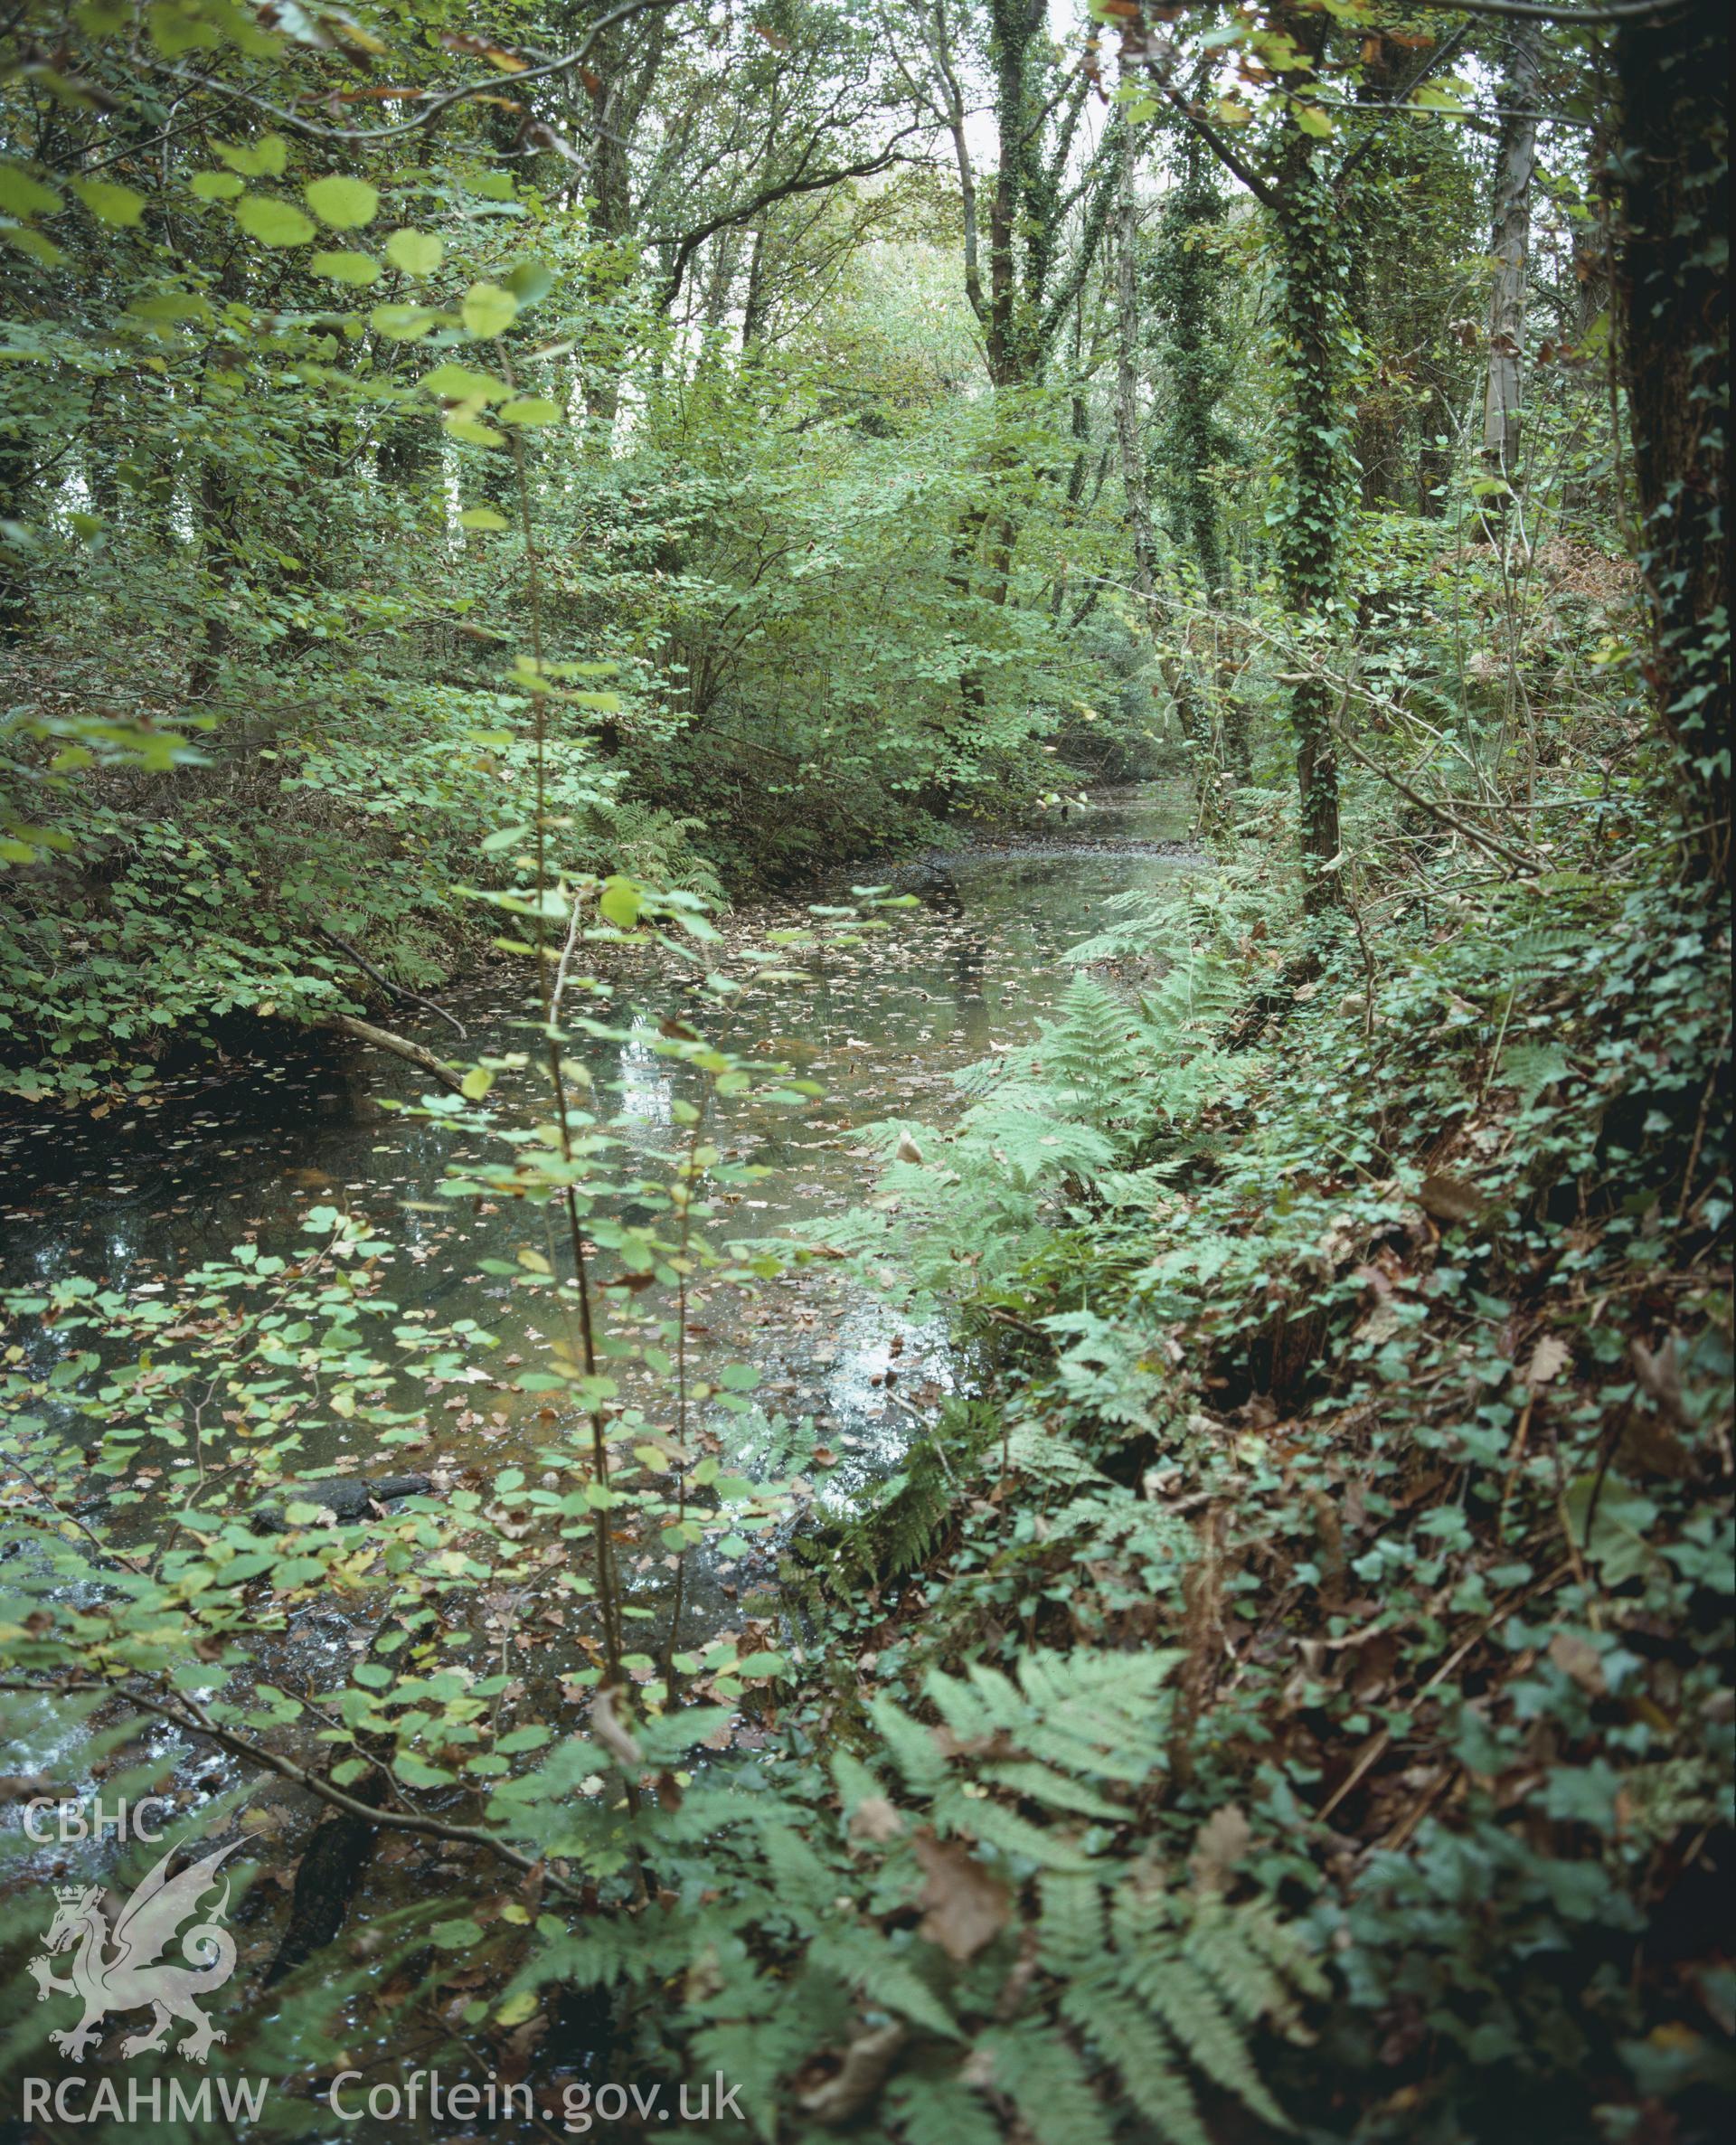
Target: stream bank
[[240, 1157]]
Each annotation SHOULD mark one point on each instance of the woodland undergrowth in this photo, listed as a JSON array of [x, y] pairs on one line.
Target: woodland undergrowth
[[1365, 1341]]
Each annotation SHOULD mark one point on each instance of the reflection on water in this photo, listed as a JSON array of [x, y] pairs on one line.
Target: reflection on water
[[239, 1152]]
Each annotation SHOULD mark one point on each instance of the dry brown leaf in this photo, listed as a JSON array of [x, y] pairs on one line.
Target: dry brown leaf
[[1578, 1658], [874, 1818], [865, 2064], [1449, 1198], [966, 1906], [1219, 1846], [1548, 1359]]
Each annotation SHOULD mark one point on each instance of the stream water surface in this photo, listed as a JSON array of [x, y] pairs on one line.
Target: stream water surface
[[237, 1153]]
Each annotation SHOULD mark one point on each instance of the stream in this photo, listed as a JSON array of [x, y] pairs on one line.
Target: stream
[[237, 1152]]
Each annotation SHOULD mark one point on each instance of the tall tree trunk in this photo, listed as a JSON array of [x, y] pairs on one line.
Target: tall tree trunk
[[1318, 474], [1194, 718], [219, 503], [1010, 326], [753, 305], [1126, 401], [1188, 275], [16, 460], [1515, 161], [1673, 307]]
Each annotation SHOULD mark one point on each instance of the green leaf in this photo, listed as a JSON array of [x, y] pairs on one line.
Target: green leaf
[[216, 186], [274, 223], [1311, 120], [523, 1739], [482, 517], [417, 1773], [415, 252], [21, 195], [453, 1936], [346, 204], [263, 159], [479, 435], [530, 410], [109, 203], [463, 383], [356, 268], [529, 281], [403, 324], [171, 304], [621, 903], [36, 243], [488, 310], [476, 1082]]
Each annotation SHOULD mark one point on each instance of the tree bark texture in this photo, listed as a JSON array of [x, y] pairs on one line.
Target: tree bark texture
[[1672, 301], [1318, 476], [1515, 162]]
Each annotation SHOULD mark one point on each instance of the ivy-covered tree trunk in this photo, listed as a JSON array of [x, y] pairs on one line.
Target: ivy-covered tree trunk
[[1317, 476], [1671, 167], [1011, 327], [15, 478], [1515, 160], [1190, 708], [1185, 280]]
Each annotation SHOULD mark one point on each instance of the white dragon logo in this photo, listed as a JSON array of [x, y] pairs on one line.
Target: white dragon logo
[[133, 1977]]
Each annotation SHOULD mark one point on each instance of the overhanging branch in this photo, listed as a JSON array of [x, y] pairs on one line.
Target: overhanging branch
[[781, 190], [437, 101]]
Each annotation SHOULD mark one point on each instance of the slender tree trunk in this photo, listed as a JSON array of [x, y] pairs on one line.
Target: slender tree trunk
[[1673, 307], [1194, 718], [16, 462], [1318, 476], [753, 307], [1182, 280], [1126, 402], [1515, 161], [219, 503]]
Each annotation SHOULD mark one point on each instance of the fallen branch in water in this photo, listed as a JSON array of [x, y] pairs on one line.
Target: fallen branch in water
[[398, 990], [191, 1718], [397, 1046]]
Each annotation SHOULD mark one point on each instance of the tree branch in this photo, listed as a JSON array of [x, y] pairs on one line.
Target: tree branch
[[1413, 82], [782, 190], [195, 1721], [439, 101]]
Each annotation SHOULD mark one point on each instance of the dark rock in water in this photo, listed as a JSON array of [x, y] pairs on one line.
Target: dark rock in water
[[347, 1502]]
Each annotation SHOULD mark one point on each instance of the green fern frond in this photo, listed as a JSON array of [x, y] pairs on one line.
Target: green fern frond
[[1152, 2073], [941, 2111], [863, 1961], [1216, 1943], [1187, 2004], [912, 1748], [1070, 1931], [1041, 2074]]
